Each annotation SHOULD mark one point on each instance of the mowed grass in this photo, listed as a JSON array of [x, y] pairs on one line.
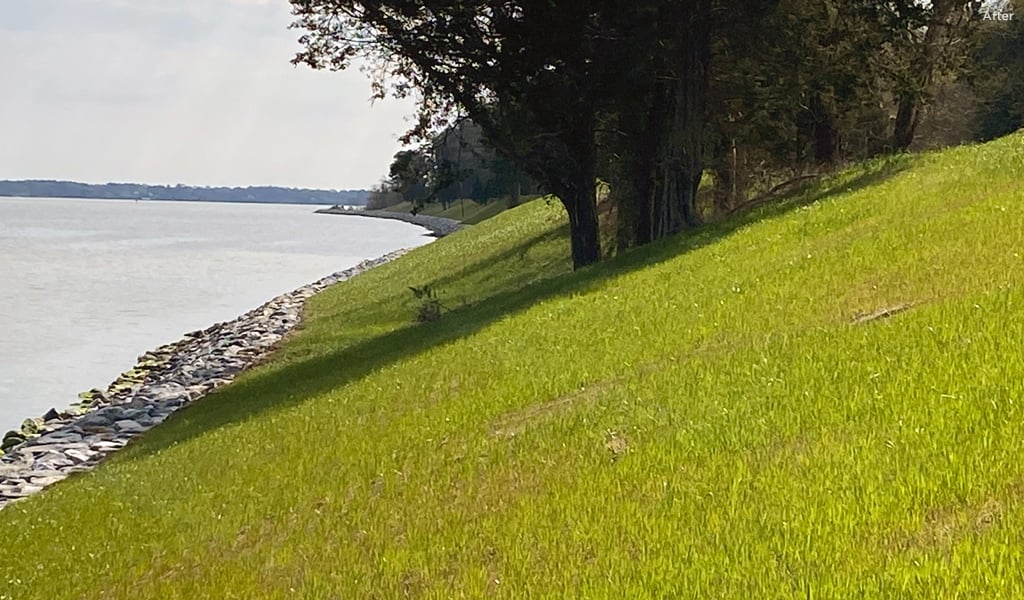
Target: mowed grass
[[464, 211], [699, 418]]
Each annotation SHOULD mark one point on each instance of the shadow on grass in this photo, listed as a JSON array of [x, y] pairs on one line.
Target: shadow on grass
[[518, 252], [875, 173], [276, 388], [511, 259]]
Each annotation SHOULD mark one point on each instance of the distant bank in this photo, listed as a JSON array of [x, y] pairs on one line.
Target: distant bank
[[438, 226], [40, 188]]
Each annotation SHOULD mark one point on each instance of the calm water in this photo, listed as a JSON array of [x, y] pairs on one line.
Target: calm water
[[88, 285]]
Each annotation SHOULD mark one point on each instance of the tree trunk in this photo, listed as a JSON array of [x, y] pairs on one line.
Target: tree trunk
[[578, 192], [824, 132], [727, 185], [676, 201], [632, 197], [516, 191], [633, 187], [908, 116], [583, 229], [683, 160], [912, 100]]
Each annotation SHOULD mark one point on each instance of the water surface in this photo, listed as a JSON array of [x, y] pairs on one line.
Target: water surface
[[88, 285]]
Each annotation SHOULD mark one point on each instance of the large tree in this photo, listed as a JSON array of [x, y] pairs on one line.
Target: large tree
[[542, 78], [657, 63], [935, 43], [997, 74], [523, 71], [409, 175]]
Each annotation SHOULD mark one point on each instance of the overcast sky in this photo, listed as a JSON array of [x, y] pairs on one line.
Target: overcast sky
[[181, 91]]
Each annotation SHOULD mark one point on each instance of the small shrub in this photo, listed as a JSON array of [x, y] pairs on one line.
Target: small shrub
[[430, 306]]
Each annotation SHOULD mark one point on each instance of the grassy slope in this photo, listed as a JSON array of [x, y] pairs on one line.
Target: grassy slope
[[466, 211], [695, 419]]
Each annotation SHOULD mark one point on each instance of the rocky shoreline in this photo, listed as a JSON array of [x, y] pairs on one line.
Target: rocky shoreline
[[438, 226], [49, 448]]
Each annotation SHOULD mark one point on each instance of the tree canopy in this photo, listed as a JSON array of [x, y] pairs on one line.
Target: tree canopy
[[656, 96]]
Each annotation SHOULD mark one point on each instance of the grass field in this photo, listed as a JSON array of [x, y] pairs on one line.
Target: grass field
[[729, 414], [465, 211]]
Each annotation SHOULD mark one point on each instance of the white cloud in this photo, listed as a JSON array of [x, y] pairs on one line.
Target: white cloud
[[194, 91]]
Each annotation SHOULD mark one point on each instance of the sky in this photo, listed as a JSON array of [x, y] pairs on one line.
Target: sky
[[199, 92]]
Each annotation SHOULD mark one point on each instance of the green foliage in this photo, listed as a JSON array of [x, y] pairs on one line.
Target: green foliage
[[651, 94], [456, 165], [706, 416], [409, 175], [998, 78], [475, 170], [382, 196], [430, 305]]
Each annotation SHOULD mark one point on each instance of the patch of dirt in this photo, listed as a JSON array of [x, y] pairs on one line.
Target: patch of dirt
[[442, 393], [514, 423], [882, 313], [793, 449], [945, 525], [617, 445]]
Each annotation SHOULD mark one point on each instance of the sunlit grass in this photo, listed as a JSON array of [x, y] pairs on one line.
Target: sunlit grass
[[465, 211], [699, 418]]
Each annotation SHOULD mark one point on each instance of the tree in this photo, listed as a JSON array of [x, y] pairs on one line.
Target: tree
[[456, 161], [934, 36], [382, 196], [521, 71], [461, 153], [541, 78], [409, 175], [656, 58], [997, 76], [567, 91]]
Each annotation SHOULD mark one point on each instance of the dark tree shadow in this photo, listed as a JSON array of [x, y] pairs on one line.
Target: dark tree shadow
[[293, 383]]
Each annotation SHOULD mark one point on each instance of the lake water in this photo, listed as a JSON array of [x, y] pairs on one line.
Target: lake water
[[88, 285]]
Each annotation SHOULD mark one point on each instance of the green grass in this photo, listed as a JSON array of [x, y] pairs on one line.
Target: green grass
[[465, 211], [697, 418]]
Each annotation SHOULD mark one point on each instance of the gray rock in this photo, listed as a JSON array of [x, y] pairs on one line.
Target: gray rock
[[57, 463], [11, 492], [145, 421], [44, 472], [135, 414], [95, 419], [163, 380], [79, 456], [129, 426], [107, 445], [95, 394], [49, 480], [37, 449], [59, 437], [9, 470]]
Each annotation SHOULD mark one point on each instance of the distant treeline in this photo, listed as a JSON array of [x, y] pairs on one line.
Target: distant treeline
[[70, 189]]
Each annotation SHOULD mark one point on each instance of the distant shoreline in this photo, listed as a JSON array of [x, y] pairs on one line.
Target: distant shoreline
[[192, 200], [438, 226], [271, 194]]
